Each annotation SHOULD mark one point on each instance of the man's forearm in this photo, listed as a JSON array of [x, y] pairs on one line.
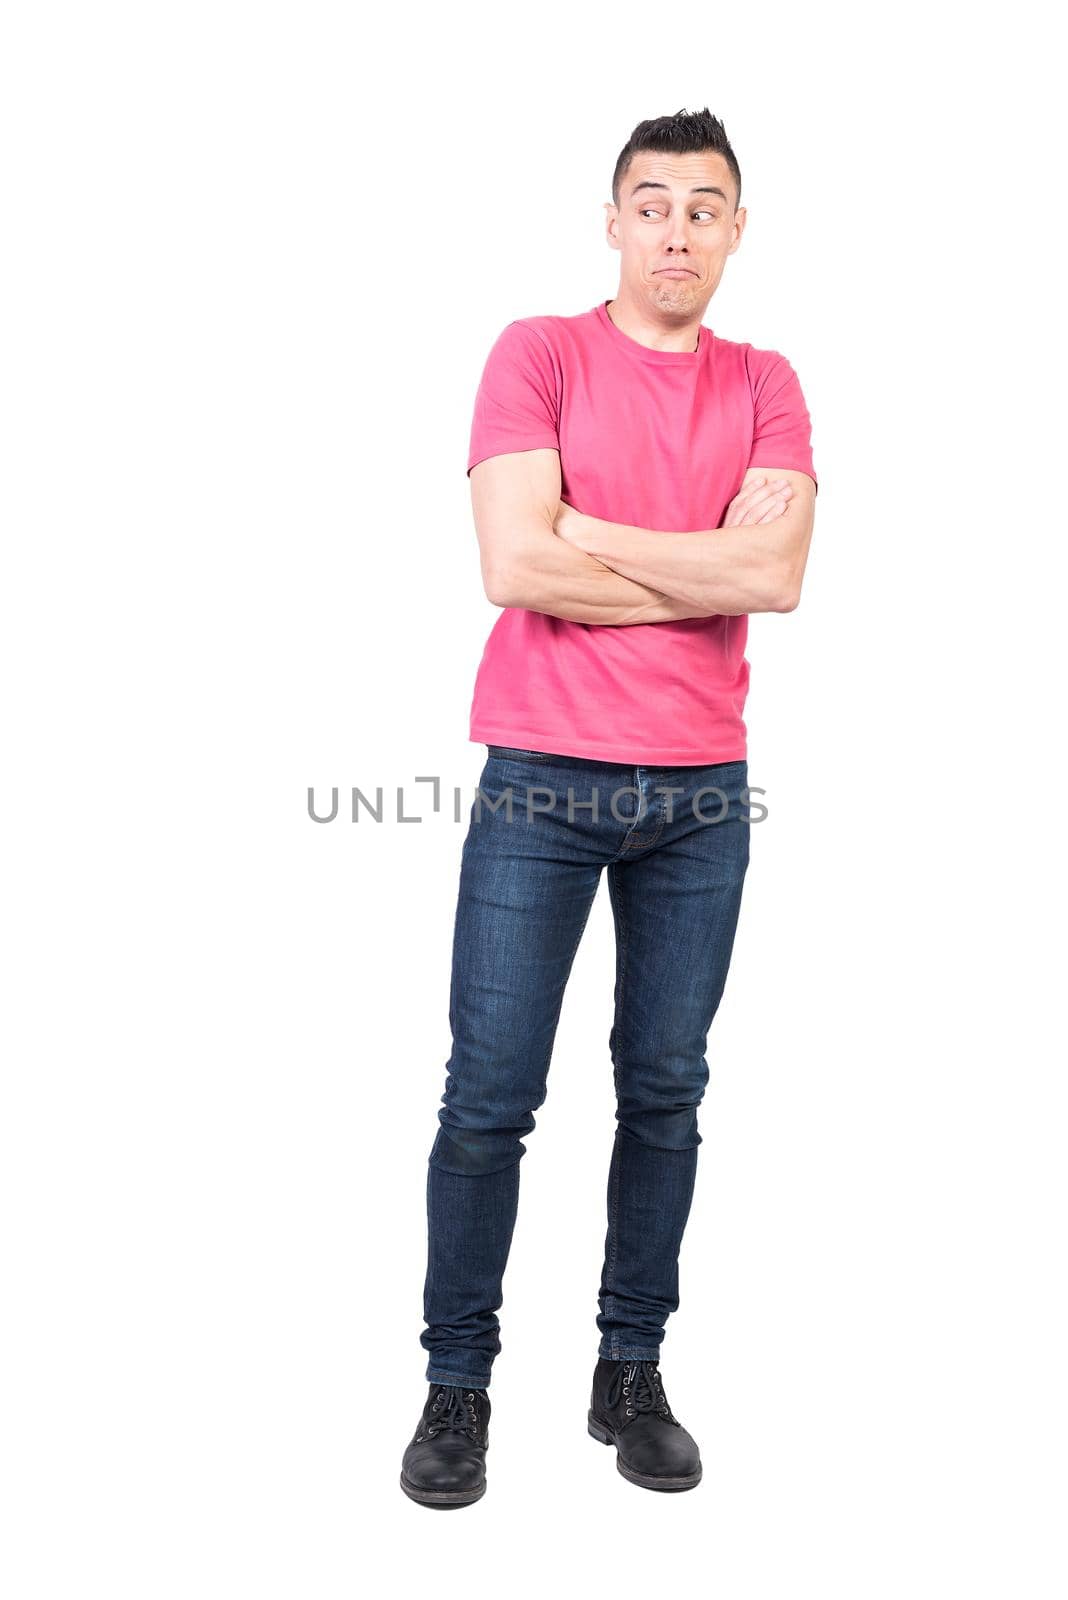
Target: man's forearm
[[724, 571], [560, 580]]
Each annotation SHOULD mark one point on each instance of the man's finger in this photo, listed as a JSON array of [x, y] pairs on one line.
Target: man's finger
[[766, 501], [774, 511], [750, 503]]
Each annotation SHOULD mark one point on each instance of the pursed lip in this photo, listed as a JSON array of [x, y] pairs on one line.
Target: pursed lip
[[688, 270]]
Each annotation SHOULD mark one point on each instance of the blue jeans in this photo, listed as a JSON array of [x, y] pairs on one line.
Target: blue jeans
[[676, 863]]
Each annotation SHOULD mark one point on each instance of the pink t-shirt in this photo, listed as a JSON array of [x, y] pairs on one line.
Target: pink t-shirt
[[659, 439]]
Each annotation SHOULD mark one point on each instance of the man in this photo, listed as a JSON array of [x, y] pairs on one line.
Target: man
[[639, 486]]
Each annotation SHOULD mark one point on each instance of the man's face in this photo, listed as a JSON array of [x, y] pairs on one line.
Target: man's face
[[674, 241]]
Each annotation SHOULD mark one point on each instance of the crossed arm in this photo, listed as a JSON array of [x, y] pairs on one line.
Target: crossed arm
[[542, 554]]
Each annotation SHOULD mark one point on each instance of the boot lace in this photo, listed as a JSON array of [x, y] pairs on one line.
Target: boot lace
[[453, 1411], [640, 1385]]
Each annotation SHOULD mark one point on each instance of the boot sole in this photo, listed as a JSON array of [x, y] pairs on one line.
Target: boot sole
[[603, 1435], [441, 1499]]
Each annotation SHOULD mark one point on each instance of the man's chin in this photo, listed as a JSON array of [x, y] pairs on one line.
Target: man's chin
[[674, 291]]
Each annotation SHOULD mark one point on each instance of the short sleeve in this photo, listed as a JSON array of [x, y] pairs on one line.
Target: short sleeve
[[782, 429], [517, 406]]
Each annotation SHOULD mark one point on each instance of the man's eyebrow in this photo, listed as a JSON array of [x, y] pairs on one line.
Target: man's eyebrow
[[702, 188]]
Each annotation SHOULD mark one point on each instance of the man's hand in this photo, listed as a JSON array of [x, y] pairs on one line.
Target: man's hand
[[759, 501]]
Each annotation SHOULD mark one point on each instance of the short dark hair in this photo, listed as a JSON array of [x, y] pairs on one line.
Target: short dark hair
[[683, 134]]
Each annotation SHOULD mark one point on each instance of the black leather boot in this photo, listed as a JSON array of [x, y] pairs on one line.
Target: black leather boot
[[445, 1463], [630, 1410]]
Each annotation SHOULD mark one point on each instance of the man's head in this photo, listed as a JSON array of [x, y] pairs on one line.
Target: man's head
[[675, 194]]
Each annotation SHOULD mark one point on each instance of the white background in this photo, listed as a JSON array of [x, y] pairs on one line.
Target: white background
[[255, 259]]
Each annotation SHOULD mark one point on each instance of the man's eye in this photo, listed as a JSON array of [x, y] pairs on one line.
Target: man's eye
[[651, 211]]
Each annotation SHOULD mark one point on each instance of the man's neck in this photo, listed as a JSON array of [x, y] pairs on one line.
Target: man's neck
[[654, 335]]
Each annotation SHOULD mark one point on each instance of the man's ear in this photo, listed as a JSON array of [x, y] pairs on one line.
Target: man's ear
[[611, 218], [739, 223]]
